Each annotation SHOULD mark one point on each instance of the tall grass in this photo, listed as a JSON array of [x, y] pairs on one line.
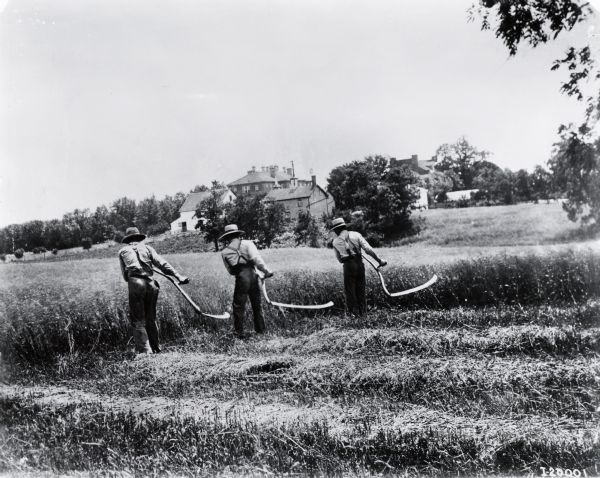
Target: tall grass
[[46, 310]]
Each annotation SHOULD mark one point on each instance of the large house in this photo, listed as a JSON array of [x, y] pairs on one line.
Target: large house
[[187, 212], [264, 180], [310, 197]]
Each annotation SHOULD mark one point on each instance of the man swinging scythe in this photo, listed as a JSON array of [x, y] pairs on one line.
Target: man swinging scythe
[[348, 247], [241, 257], [137, 266]]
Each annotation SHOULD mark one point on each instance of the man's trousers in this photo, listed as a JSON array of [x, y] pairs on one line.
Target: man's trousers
[[246, 285], [354, 286], [143, 294]]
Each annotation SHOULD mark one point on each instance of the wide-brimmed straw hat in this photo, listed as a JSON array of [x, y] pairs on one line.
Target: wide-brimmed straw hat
[[230, 230], [337, 223], [133, 234]]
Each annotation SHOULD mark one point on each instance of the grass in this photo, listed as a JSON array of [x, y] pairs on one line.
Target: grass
[[447, 232], [500, 226], [494, 370], [88, 438], [70, 314]]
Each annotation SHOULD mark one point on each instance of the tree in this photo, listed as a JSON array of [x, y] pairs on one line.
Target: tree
[[381, 194], [123, 213], [536, 22], [503, 187], [575, 166], [354, 185], [19, 253], [306, 230], [574, 163], [147, 216], [391, 209], [461, 160], [169, 207], [541, 183], [100, 227], [523, 185], [33, 234], [199, 188], [273, 221], [246, 212], [213, 212], [486, 173]]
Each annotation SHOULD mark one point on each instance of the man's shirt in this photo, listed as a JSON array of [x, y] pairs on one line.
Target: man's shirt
[[137, 259], [239, 252], [350, 244]]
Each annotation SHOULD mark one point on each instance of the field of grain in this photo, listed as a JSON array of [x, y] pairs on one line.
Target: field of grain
[[494, 370]]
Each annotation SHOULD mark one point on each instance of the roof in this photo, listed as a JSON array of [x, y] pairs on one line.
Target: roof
[[194, 199], [285, 194], [260, 177]]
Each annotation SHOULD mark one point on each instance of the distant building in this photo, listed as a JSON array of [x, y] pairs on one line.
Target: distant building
[[187, 212], [264, 180], [310, 197], [452, 196], [421, 167]]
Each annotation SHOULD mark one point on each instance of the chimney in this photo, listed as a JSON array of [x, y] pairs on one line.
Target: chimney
[[272, 170], [253, 170], [314, 181]]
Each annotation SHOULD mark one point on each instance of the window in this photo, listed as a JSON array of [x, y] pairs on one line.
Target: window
[[256, 187], [299, 202], [246, 188]]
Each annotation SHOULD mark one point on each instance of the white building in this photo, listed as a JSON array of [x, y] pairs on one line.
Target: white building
[[460, 195], [187, 220]]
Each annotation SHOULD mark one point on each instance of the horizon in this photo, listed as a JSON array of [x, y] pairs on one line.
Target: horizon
[[105, 100]]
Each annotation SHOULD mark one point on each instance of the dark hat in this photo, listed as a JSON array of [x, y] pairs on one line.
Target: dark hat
[[230, 230], [133, 234], [337, 223]]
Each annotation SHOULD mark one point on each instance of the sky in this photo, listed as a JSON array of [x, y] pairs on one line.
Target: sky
[[101, 99]]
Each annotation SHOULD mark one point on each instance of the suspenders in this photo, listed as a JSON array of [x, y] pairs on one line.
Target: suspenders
[[239, 256], [350, 248]]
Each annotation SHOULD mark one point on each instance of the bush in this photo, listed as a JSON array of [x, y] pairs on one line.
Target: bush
[[86, 243], [39, 250], [19, 253], [55, 251], [2, 257], [119, 235]]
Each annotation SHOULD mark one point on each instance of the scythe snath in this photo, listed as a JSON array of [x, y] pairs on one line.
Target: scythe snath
[[224, 315]]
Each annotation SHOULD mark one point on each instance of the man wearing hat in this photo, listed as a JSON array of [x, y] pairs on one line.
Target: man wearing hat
[[241, 257], [348, 247], [137, 260]]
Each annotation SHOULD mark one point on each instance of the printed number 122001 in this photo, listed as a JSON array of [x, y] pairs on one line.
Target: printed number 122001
[[562, 472]]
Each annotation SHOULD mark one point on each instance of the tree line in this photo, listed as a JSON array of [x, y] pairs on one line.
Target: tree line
[[461, 166], [83, 227]]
